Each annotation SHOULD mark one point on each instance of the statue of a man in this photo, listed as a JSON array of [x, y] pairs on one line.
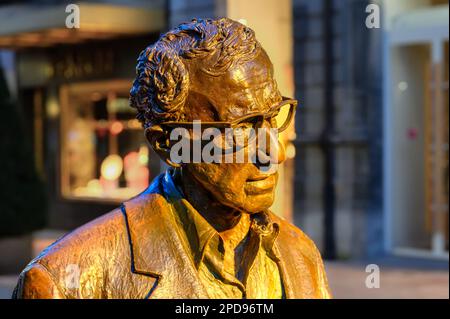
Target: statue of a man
[[203, 228]]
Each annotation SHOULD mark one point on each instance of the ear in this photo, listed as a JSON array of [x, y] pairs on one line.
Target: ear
[[159, 141]]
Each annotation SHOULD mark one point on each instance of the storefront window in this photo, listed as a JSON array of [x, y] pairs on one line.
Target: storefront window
[[104, 154]]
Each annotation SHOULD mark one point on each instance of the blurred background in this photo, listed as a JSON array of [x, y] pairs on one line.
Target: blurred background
[[367, 170]]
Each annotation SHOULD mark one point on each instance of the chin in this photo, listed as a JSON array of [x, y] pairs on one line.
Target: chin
[[258, 202]]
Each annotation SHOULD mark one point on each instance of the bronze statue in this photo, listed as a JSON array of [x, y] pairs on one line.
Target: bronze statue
[[202, 229]]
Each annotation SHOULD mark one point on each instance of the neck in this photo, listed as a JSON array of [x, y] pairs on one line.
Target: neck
[[221, 217]]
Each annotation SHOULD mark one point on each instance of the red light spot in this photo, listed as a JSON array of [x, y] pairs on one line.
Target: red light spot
[[412, 133], [116, 128]]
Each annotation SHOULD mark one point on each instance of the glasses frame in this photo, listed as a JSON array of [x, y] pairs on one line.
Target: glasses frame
[[259, 116]]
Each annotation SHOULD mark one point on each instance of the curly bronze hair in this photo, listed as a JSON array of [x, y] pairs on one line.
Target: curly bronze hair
[[161, 86]]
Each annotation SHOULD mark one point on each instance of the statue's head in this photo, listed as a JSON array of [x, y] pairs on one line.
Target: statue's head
[[214, 71]]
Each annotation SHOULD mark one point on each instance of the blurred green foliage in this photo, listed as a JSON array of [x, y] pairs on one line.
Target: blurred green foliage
[[22, 193]]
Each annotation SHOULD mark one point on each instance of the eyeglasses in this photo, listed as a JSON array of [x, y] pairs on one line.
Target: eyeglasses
[[279, 117]]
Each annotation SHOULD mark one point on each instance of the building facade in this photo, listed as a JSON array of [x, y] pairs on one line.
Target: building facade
[[367, 172]]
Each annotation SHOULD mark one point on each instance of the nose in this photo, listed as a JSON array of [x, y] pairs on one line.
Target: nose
[[271, 148]]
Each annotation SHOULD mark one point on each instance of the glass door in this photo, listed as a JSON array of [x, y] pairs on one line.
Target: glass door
[[419, 148]]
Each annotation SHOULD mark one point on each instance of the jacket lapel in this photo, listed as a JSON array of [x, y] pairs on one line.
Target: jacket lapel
[[158, 252], [156, 249], [296, 270]]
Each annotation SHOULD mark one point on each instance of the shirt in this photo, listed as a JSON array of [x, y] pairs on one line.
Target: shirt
[[243, 267]]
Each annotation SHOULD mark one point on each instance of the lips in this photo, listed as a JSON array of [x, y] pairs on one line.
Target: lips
[[260, 184]]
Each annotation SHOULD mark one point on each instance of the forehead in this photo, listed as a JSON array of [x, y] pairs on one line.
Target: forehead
[[246, 88]]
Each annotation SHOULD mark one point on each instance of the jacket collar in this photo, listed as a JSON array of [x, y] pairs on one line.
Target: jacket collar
[[158, 251]]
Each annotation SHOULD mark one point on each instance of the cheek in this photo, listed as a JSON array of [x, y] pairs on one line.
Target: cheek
[[225, 180]]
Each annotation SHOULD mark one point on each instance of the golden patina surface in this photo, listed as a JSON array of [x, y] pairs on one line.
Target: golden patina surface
[[236, 263], [201, 230]]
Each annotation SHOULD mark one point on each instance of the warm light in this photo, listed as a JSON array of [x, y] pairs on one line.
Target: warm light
[[116, 128], [143, 155], [134, 124], [111, 167], [290, 151], [94, 187], [130, 160], [52, 108]]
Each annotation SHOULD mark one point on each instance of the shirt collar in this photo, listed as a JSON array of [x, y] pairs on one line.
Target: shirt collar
[[199, 232]]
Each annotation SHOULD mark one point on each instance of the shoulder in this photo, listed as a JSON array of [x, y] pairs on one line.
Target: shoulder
[[77, 256], [102, 236], [292, 234], [35, 282], [301, 252], [97, 237], [89, 257]]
